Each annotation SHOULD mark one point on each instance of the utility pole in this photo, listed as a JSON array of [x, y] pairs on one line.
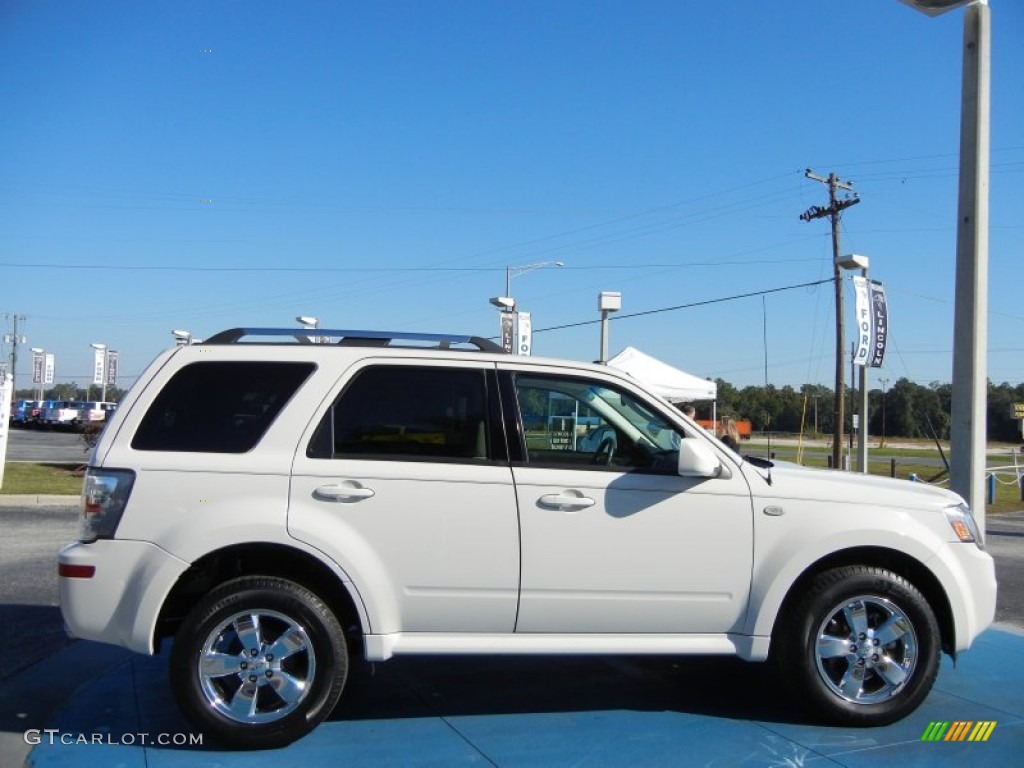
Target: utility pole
[[835, 207], [14, 339]]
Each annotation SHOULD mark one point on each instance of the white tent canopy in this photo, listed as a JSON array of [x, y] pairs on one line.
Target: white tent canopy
[[671, 383]]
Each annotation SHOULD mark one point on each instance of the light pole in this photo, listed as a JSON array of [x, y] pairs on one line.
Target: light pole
[[509, 316], [99, 375], [861, 262], [607, 302], [970, 323], [511, 272], [883, 382]]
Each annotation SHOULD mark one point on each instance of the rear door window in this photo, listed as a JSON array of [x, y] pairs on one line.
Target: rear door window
[[410, 413]]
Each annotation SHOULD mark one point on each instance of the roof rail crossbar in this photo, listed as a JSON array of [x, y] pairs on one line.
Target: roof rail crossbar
[[349, 337]]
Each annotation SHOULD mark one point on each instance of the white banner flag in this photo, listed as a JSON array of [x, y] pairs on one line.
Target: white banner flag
[[863, 317], [524, 334], [48, 367], [98, 367]]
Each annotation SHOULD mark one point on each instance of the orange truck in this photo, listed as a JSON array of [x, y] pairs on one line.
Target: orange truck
[[742, 426]]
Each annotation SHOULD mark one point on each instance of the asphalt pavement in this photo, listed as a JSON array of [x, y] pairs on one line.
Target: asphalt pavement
[[45, 446]]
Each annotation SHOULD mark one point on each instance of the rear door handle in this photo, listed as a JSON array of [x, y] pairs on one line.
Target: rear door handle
[[344, 492], [566, 501]]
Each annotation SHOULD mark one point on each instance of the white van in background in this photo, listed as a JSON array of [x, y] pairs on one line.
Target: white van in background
[[62, 413], [93, 410]]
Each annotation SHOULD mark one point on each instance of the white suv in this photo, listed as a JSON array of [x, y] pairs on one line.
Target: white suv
[[275, 507]]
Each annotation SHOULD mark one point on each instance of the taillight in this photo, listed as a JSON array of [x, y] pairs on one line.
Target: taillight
[[105, 494]]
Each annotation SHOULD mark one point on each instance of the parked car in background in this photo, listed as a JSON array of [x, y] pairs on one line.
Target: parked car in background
[[94, 410], [63, 414], [25, 412]]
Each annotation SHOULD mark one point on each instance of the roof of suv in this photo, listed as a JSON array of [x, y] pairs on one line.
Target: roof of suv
[[351, 338]]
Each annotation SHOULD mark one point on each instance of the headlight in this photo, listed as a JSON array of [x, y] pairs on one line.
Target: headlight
[[963, 524]]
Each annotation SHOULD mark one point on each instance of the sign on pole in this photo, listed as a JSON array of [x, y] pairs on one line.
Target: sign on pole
[[508, 330], [112, 367], [525, 334], [863, 314], [48, 369], [37, 367], [879, 322], [97, 366]]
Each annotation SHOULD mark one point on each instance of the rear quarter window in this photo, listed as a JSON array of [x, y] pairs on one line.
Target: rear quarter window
[[219, 407]]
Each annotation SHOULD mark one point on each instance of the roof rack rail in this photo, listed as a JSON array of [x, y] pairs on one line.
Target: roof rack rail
[[350, 338]]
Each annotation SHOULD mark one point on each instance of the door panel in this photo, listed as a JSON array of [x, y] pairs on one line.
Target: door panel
[[613, 541], [405, 483], [651, 554], [436, 544]]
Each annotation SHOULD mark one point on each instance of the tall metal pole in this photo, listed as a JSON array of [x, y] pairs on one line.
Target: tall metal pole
[[862, 430], [970, 325], [835, 207], [883, 382]]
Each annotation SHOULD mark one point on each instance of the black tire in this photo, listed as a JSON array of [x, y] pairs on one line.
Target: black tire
[[258, 663], [860, 647]]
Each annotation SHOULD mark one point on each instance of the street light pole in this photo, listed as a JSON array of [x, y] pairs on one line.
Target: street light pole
[[883, 382], [970, 323], [862, 431], [508, 313], [858, 261]]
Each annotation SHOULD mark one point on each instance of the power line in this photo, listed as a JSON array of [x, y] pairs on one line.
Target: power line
[[690, 305]]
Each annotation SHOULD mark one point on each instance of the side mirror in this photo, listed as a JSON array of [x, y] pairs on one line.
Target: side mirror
[[698, 459]]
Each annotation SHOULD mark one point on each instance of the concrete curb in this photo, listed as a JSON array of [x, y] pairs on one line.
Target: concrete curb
[[38, 500]]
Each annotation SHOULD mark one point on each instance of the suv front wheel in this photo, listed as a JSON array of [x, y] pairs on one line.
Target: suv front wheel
[[259, 662], [860, 647]]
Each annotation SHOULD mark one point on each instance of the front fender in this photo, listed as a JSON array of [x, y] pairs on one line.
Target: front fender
[[787, 545]]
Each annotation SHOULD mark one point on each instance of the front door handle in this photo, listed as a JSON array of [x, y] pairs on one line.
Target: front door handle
[[566, 501], [344, 492]]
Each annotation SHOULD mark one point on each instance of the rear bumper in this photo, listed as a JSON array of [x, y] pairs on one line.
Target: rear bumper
[[121, 601]]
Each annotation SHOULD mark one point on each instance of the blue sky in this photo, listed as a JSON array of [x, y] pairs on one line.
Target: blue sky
[[205, 165]]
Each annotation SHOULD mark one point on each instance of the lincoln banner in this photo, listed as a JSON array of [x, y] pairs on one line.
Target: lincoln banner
[[879, 323]]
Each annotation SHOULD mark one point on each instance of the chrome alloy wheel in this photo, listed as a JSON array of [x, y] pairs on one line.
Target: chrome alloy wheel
[[256, 666], [867, 649]]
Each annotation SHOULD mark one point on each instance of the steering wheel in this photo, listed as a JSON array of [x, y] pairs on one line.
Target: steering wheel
[[604, 453]]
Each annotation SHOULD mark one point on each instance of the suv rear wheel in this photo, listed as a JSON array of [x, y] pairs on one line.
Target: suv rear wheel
[[861, 647], [259, 662]]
